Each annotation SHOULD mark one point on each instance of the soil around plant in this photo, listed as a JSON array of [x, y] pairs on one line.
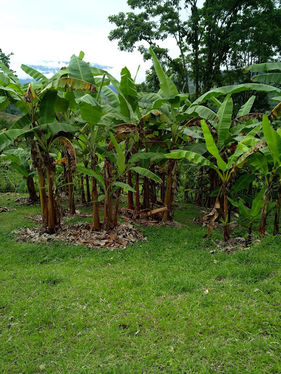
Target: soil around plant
[[233, 244], [82, 234], [3, 209], [26, 201], [145, 218]]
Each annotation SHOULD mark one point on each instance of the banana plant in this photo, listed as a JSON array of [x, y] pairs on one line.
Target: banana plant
[[170, 105], [111, 114], [180, 114], [268, 72], [112, 178], [273, 140], [19, 161], [45, 118], [223, 163], [128, 118], [248, 216], [267, 164]]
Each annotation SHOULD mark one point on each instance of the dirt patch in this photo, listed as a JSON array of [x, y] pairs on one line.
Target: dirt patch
[[233, 245], [26, 201], [147, 217], [81, 234], [3, 209], [37, 218]]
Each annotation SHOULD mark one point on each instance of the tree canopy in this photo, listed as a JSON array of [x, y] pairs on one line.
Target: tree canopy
[[5, 59], [214, 40]]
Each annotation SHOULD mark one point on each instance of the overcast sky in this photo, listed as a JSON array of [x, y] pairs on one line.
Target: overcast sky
[[37, 31]]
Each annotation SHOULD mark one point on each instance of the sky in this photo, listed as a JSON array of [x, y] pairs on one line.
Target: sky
[[44, 32]]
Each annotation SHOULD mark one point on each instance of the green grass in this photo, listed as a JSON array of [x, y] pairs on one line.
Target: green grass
[[162, 306]]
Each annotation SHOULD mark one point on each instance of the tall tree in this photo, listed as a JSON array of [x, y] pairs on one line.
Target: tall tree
[[151, 23], [5, 59], [213, 40]]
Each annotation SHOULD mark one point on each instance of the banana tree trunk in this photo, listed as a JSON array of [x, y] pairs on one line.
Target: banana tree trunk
[[199, 195], [226, 228], [130, 193], [153, 195], [138, 206], [146, 202], [108, 214], [70, 192], [31, 189], [115, 213], [65, 186], [52, 219], [169, 190], [214, 182], [83, 198], [43, 197], [87, 184], [249, 238], [264, 215], [96, 214], [88, 189], [263, 220], [277, 213], [38, 164], [162, 188]]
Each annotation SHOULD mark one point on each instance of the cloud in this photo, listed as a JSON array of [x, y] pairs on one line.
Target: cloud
[[35, 47], [39, 31]]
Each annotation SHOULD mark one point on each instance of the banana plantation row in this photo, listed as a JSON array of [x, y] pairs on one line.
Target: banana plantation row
[[82, 124]]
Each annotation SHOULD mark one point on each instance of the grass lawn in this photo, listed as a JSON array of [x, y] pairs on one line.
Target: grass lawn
[[163, 306]]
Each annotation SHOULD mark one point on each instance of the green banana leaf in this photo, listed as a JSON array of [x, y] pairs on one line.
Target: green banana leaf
[[47, 107], [270, 78], [90, 109], [125, 186], [167, 86], [129, 90], [242, 182], [80, 69], [225, 119], [33, 73], [267, 66], [273, 140], [225, 90], [152, 156], [246, 108], [202, 112], [193, 157], [120, 155], [211, 146], [146, 173], [91, 173]]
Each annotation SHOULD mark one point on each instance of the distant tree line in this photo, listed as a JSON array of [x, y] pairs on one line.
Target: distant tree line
[[216, 40]]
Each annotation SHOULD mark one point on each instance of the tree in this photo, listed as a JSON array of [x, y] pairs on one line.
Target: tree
[[5, 59], [214, 41], [44, 119], [154, 23]]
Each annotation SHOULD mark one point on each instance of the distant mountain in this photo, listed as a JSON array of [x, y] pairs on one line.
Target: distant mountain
[[24, 81], [51, 67]]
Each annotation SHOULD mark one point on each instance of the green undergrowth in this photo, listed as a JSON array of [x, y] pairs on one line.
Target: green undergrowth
[[167, 305]]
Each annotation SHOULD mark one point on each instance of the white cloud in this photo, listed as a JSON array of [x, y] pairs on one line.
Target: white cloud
[[37, 31]]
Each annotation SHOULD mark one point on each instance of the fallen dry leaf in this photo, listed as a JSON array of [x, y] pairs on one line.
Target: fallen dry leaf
[[81, 234]]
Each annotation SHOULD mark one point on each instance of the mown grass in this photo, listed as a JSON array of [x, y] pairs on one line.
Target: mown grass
[[163, 306]]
